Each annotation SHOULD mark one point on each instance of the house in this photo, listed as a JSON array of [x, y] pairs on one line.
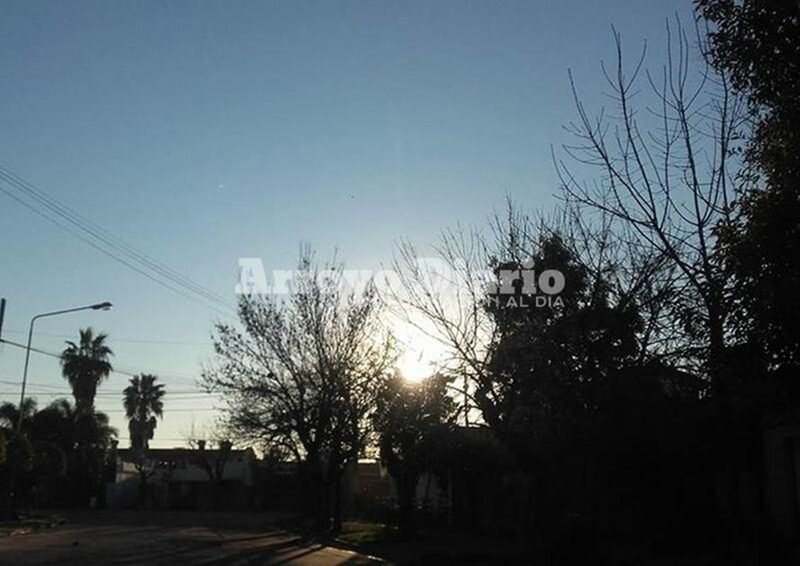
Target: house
[[184, 478]]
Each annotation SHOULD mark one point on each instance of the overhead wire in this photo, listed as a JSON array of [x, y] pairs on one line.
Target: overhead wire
[[101, 240], [128, 372]]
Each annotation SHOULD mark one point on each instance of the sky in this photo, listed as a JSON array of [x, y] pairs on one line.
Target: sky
[[204, 132]]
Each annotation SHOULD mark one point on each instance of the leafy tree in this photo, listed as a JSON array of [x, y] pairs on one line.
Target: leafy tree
[[17, 460], [144, 401], [85, 365], [9, 414], [412, 420], [526, 362], [102, 433], [547, 364], [57, 442], [303, 373], [55, 434], [611, 297], [757, 43], [549, 377], [56, 423], [85, 440]]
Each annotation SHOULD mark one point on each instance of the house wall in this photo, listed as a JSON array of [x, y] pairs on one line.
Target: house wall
[[185, 471], [185, 486]]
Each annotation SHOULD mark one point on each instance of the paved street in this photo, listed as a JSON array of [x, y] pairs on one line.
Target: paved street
[[169, 538]]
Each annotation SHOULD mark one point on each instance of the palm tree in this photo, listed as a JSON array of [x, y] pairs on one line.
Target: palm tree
[[9, 414], [84, 365], [143, 402]]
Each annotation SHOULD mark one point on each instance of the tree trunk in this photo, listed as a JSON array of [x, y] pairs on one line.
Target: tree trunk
[[336, 519], [142, 491], [406, 495]]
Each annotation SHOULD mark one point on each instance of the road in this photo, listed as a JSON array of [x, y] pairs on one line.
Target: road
[[169, 538]]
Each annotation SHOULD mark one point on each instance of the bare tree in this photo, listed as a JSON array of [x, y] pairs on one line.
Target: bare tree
[[213, 464], [303, 373], [666, 177], [442, 297]]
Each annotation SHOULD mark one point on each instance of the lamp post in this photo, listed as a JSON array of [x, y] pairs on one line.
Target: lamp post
[[96, 307], [12, 480]]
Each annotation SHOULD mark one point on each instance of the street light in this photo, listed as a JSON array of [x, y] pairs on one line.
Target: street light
[[104, 306]]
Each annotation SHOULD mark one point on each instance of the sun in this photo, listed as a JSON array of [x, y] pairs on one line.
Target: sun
[[421, 356], [414, 367]]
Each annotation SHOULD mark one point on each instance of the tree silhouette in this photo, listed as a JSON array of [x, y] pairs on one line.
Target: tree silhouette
[[412, 420], [57, 442], [546, 365], [85, 365], [665, 180], [9, 413], [757, 42], [303, 374], [143, 400]]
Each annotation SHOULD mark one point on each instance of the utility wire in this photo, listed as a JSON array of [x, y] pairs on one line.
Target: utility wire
[[100, 239], [102, 234], [131, 373], [178, 395], [117, 339], [102, 250]]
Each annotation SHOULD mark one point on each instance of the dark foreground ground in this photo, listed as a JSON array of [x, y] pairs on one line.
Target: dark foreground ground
[[227, 539], [107, 537]]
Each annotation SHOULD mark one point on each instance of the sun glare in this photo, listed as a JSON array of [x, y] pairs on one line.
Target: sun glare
[[421, 355], [414, 367]]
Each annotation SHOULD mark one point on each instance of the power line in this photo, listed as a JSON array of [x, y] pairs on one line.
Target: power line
[[104, 235], [131, 373], [107, 243], [181, 395], [116, 339], [99, 248], [123, 370]]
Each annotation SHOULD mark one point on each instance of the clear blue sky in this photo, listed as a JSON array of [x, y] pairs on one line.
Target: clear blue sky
[[202, 132]]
